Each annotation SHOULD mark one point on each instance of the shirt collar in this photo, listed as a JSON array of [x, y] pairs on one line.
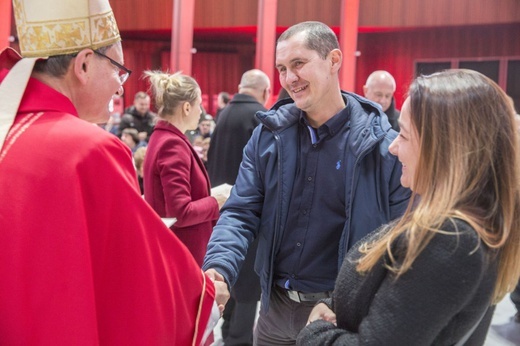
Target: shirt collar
[[331, 126]]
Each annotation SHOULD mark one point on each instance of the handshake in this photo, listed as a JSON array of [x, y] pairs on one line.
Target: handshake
[[221, 289]]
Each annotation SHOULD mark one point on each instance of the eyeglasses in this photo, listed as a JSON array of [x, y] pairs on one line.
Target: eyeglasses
[[124, 72]]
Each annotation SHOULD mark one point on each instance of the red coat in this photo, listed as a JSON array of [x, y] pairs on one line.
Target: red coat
[[83, 259], [176, 185]]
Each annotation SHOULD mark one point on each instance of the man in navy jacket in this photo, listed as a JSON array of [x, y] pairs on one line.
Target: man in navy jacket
[[315, 178]]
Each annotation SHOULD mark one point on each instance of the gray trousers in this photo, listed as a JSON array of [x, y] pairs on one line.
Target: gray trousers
[[282, 323]]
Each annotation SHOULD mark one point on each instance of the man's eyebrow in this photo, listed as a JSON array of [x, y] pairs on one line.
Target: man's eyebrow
[[292, 61]]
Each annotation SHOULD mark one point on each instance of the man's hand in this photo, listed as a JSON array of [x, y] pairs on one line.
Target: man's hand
[[221, 288], [221, 295], [214, 275], [322, 312]]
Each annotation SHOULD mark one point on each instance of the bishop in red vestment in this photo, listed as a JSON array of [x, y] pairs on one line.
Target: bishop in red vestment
[[83, 259]]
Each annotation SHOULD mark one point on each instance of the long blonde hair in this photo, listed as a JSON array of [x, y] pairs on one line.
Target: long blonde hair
[[468, 168], [171, 90]]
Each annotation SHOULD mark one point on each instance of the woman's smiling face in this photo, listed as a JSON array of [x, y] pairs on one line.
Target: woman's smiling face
[[406, 146]]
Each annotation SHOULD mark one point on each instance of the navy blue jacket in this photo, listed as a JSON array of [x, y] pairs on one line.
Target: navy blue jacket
[[259, 201]]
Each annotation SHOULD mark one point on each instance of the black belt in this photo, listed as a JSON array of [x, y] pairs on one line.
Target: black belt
[[299, 297]]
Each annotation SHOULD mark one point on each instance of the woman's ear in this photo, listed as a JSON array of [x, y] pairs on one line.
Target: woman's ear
[[82, 65], [186, 108]]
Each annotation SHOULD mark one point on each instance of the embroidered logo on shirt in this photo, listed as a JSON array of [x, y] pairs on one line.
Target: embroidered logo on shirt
[[338, 165]]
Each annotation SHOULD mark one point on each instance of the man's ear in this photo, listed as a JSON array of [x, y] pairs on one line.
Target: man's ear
[[82, 65], [336, 57], [266, 94]]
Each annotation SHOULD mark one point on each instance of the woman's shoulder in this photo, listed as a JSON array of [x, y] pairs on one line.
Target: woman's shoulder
[[462, 230], [457, 240], [169, 146], [456, 224], [162, 136]]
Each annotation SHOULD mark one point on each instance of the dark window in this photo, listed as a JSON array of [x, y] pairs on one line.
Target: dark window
[[504, 71], [513, 82], [426, 68], [487, 68]]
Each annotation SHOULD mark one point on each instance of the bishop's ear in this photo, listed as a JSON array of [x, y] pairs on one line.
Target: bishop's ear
[[82, 65]]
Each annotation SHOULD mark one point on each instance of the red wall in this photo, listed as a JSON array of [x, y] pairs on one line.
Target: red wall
[[218, 67], [396, 52]]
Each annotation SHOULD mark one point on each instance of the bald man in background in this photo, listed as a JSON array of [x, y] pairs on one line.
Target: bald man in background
[[235, 126], [380, 87]]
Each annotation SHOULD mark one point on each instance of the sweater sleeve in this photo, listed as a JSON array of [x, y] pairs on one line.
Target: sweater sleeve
[[415, 308]]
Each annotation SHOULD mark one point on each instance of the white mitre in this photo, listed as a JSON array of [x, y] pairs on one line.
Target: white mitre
[[47, 28]]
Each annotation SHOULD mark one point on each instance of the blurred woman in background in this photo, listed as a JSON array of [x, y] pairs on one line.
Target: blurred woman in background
[[176, 183]]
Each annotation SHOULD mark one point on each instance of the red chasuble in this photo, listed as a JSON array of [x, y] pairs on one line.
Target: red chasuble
[[83, 259]]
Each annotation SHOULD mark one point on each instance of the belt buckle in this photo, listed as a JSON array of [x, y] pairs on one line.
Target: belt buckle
[[293, 295]]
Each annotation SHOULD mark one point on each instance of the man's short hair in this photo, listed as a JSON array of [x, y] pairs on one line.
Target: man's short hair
[[132, 133], [254, 79], [141, 95], [225, 96], [319, 37], [57, 65], [206, 117]]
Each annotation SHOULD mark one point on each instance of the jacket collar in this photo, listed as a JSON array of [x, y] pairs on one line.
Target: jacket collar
[[241, 98], [284, 113], [368, 124]]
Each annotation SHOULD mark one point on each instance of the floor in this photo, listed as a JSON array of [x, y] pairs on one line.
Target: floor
[[503, 331]]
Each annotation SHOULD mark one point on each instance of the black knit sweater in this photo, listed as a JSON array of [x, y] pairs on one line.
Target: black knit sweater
[[436, 302]]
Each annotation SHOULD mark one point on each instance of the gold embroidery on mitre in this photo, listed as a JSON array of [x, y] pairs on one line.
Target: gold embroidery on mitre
[[104, 30], [66, 36], [55, 38], [71, 34]]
